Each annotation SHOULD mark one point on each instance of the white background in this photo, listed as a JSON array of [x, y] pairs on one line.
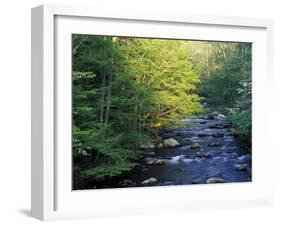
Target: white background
[[15, 112]]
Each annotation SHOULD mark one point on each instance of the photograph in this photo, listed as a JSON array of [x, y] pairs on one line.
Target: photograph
[[160, 112]]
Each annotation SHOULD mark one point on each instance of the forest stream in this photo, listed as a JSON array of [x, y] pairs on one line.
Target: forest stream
[[128, 92], [207, 153]]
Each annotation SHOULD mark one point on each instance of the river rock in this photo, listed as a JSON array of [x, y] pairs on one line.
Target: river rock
[[149, 181], [241, 167], [213, 115], [155, 162], [159, 162], [216, 126], [195, 139], [203, 154], [214, 144], [215, 180], [170, 143], [220, 117], [206, 154], [216, 116], [147, 146], [195, 145]]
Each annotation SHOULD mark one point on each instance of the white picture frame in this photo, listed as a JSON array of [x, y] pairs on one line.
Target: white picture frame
[[52, 197]]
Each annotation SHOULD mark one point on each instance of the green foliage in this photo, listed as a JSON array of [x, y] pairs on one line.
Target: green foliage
[[242, 124], [164, 68], [241, 114], [229, 63]]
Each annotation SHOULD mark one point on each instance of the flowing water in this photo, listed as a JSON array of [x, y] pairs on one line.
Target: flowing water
[[186, 164]]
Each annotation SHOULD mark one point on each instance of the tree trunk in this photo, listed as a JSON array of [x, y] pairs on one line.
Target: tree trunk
[[223, 50]]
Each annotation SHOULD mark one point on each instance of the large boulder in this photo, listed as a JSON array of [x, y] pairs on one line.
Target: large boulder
[[170, 143]]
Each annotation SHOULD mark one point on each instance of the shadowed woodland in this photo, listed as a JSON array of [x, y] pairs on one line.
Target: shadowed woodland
[[160, 112]]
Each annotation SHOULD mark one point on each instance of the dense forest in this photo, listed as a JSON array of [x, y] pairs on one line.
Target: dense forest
[[127, 90]]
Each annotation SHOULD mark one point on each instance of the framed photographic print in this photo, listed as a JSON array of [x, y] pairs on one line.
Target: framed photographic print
[[137, 112]]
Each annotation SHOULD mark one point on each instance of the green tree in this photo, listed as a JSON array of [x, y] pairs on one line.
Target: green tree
[[164, 67]]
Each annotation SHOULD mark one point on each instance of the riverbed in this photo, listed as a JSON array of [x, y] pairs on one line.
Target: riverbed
[[207, 153]]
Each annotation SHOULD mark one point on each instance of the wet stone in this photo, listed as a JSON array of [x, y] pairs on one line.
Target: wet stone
[[216, 126], [241, 167], [155, 162], [215, 180], [195, 145], [149, 181]]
